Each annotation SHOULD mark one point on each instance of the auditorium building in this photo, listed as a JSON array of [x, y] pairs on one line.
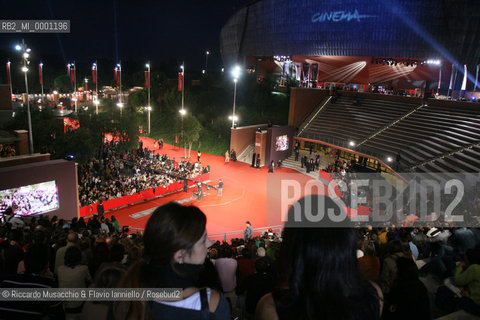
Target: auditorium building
[[392, 45], [378, 63]]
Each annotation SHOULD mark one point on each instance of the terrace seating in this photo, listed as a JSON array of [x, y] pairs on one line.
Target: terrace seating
[[431, 139]]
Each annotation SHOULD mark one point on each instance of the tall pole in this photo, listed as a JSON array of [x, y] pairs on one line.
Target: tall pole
[[120, 75], [206, 62], [75, 84], [183, 85], [41, 77], [9, 79], [120, 104], [25, 55], [96, 82], [148, 107], [183, 110], [95, 101], [234, 99]]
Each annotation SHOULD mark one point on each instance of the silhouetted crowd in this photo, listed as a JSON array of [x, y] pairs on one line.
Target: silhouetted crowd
[[410, 266]]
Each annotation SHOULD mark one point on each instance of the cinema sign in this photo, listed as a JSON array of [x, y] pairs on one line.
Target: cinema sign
[[338, 16]]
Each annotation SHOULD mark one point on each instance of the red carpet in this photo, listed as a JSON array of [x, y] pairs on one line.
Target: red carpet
[[244, 194]]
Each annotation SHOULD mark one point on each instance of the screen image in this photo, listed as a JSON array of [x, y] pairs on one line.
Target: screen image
[[281, 143], [32, 199]]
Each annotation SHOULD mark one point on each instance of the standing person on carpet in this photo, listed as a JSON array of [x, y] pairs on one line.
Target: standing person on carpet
[[175, 249], [100, 209], [227, 156], [247, 234], [199, 154], [220, 187], [271, 168]]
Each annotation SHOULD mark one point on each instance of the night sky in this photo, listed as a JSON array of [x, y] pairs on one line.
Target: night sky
[[137, 30]]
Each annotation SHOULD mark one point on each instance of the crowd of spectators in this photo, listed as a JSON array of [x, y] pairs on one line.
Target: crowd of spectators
[[114, 174], [418, 273], [7, 151]]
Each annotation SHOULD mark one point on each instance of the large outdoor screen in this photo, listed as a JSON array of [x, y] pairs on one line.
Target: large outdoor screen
[[31, 199], [281, 143]]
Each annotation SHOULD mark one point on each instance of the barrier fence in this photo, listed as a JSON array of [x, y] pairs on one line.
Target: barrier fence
[[148, 194], [239, 233], [224, 236]]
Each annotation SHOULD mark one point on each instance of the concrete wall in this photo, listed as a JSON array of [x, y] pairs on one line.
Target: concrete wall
[[302, 102], [242, 137], [63, 172], [24, 159], [5, 97], [22, 145], [261, 146], [272, 134]]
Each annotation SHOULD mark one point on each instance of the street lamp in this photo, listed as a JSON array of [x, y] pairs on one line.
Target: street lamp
[[96, 103], [95, 80], [41, 77], [236, 74], [25, 55], [149, 108], [120, 105], [72, 65], [206, 61], [120, 87], [182, 111]]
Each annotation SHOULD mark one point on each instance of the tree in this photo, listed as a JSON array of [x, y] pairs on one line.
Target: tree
[[138, 99], [191, 131], [62, 83]]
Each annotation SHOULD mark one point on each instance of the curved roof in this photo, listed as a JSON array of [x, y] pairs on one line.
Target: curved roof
[[445, 29]]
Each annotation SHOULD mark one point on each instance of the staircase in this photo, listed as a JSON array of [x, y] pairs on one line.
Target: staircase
[[246, 155], [290, 162]]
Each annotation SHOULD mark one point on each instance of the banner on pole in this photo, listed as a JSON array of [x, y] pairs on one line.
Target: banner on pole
[[40, 73], [180, 81], [94, 74], [8, 73], [147, 76]]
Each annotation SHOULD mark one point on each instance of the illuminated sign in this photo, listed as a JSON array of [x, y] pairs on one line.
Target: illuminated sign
[[337, 16]]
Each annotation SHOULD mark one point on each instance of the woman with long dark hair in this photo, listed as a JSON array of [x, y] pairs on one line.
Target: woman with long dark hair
[[319, 272], [175, 248]]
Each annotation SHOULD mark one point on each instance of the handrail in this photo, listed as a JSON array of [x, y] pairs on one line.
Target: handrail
[[313, 116], [391, 124]]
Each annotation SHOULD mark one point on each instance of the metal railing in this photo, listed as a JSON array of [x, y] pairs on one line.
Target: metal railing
[[313, 116], [233, 234], [239, 233]]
